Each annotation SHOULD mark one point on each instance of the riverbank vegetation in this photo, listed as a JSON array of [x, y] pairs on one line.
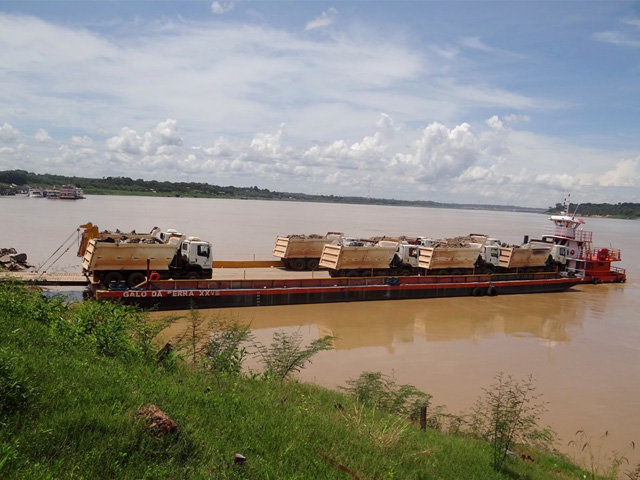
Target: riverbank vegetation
[[624, 210], [14, 181], [140, 187], [76, 381]]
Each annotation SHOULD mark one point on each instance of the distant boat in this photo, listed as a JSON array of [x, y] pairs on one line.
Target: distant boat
[[70, 192], [35, 193], [52, 192]]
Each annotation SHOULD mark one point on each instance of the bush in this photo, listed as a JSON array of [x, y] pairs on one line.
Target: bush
[[508, 414], [376, 389], [224, 352], [113, 329], [286, 355]]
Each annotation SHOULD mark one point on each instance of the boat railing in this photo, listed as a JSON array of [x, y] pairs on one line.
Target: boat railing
[[567, 232], [604, 255]]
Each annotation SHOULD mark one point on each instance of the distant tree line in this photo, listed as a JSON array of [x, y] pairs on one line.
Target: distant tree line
[[615, 210], [12, 181]]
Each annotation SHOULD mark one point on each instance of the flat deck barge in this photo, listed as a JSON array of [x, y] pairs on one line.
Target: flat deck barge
[[182, 294]]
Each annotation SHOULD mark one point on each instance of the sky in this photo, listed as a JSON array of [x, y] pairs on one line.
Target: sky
[[513, 103]]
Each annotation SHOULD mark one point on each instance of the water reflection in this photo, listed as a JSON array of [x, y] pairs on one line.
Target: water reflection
[[548, 317]]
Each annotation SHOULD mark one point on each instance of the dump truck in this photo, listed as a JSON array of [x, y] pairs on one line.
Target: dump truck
[[116, 257], [470, 254], [532, 257], [491, 256], [302, 252], [353, 258], [450, 260]]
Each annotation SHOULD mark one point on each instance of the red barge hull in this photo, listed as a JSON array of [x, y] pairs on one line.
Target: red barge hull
[[183, 294]]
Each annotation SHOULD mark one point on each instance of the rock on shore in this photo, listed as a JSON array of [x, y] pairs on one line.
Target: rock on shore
[[10, 259]]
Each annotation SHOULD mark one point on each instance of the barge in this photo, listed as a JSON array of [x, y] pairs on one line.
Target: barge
[[184, 294]]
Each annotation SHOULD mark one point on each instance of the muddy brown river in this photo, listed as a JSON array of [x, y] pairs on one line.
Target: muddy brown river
[[582, 346]]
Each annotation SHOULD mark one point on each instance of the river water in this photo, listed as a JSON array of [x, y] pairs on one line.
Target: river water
[[582, 346]]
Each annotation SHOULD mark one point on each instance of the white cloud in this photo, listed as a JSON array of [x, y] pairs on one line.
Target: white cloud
[[475, 43], [620, 39], [626, 174], [495, 123], [42, 136], [128, 142], [8, 134], [443, 153], [459, 163], [516, 118], [634, 22], [627, 37], [220, 8], [324, 20], [562, 181]]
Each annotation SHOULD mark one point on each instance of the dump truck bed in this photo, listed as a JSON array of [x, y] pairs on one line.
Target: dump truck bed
[[338, 257], [523, 257], [442, 257], [301, 246], [127, 256]]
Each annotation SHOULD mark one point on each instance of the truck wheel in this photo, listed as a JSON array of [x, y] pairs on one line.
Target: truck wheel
[[112, 277], [193, 274], [312, 263], [491, 291], [297, 264], [135, 278]]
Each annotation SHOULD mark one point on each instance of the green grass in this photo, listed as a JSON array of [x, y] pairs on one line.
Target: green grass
[[81, 382]]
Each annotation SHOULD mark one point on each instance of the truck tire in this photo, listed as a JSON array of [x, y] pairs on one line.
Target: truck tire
[[135, 278], [193, 273], [111, 277], [297, 264], [312, 263]]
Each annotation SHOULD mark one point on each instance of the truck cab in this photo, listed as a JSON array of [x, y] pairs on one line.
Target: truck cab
[[195, 258], [491, 254], [559, 254], [407, 255]]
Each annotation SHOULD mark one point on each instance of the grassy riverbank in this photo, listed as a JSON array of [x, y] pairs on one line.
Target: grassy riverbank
[[72, 378]]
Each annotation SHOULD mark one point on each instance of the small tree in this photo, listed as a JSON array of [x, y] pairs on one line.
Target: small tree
[[287, 355], [508, 413], [225, 350], [194, 337]]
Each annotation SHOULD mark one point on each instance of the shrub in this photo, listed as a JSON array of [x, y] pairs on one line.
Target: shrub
[[287, 355], [507, 414], [15, 390], [18, 300], [225, 351], [113, 329], [376, 389]]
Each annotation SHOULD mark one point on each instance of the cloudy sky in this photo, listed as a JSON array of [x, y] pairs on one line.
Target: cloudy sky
[[482, 102]]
